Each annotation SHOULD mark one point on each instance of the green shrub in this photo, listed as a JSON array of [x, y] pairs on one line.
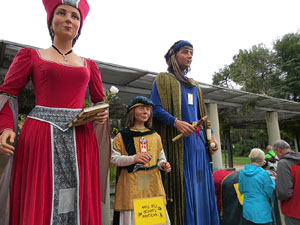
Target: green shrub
[[243, 147]]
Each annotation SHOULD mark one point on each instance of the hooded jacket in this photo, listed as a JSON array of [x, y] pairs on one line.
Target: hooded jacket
[[288, 184], [258, 187]]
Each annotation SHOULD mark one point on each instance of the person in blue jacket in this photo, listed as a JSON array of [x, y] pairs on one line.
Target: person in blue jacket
[[258, 188]]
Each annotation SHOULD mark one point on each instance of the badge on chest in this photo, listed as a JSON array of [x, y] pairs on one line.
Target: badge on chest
[[190, 99], [143, 145]]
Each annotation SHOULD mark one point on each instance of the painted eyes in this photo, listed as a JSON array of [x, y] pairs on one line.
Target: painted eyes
[[187, 52], [73, 15], [143, 108], [61, 13]]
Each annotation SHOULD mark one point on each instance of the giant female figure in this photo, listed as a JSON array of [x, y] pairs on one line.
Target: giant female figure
[[55, 176]]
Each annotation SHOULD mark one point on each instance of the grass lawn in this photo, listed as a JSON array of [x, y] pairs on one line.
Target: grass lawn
[[240, 160], [112, 173], [237, 160]]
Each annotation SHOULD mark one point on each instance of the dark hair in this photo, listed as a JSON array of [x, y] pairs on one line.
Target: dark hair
[[131, 119]]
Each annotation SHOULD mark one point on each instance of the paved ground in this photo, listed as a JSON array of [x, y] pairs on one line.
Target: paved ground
[[238, 167], [112, 202]]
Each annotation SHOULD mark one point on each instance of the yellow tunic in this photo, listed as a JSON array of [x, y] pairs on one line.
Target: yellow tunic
[[140, 184]]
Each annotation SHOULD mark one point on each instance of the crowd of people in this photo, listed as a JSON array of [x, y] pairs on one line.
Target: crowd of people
[[53, 172], [258, 185]]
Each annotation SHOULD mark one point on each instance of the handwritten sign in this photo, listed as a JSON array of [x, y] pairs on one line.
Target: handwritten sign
[[149, 211]]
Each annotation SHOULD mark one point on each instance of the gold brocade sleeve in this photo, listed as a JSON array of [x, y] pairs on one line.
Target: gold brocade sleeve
[[118, 144]]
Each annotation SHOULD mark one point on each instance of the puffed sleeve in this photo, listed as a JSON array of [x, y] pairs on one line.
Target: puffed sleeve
[[95, 84], [18, 74], [15, 80], [6, 117], [118, 143]]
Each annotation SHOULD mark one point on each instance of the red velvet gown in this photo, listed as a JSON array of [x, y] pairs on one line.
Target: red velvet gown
[[56, 86]]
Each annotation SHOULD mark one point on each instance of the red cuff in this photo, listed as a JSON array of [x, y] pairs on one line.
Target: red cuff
[[6, 118]]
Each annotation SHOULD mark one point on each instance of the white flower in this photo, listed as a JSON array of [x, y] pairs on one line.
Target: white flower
[[114, 90]]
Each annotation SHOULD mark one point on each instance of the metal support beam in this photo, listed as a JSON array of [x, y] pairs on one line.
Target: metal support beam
[[228, 146]]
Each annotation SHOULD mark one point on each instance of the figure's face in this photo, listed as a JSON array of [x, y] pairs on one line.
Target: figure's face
[[66, 21], [142, 113], [184, 58]]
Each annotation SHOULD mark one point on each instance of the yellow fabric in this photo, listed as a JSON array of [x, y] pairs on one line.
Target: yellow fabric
[[238, 193], [128, 186], [138, 104]]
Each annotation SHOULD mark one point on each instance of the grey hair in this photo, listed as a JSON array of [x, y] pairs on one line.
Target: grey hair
[[257, 155], [281, 144]]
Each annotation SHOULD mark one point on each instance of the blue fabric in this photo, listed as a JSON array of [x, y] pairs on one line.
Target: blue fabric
[[181, 44], [177, 47], [158, 110], [200, 201], [163, 115], [258, 188]]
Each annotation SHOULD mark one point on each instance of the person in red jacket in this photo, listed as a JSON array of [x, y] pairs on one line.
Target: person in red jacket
[[288, 182]]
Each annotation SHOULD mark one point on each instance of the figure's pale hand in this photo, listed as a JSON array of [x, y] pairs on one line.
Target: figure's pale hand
[[143, 158], [184, 127], [101, 117], [216, 147], [166, 167], [6, 139]]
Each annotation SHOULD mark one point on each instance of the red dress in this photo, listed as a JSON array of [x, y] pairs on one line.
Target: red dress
[[56, 86]]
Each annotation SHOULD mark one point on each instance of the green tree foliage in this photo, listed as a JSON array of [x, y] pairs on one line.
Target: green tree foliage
[[243, 140], [253, 70], [223, 78], [274, 72], [259, 70], [243, 147], [288, 54]]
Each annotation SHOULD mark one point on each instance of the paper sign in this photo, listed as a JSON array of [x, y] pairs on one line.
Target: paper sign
[[149, 211]]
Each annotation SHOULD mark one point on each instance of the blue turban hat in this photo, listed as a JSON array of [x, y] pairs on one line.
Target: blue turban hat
[[176, 47]]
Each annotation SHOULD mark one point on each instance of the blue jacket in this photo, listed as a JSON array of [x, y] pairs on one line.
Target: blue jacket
[[258, 188]]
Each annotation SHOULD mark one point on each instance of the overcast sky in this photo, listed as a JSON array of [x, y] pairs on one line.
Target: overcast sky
[[137, 33]]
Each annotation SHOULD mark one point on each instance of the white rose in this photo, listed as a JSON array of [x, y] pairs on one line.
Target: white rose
[[114, 90]]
